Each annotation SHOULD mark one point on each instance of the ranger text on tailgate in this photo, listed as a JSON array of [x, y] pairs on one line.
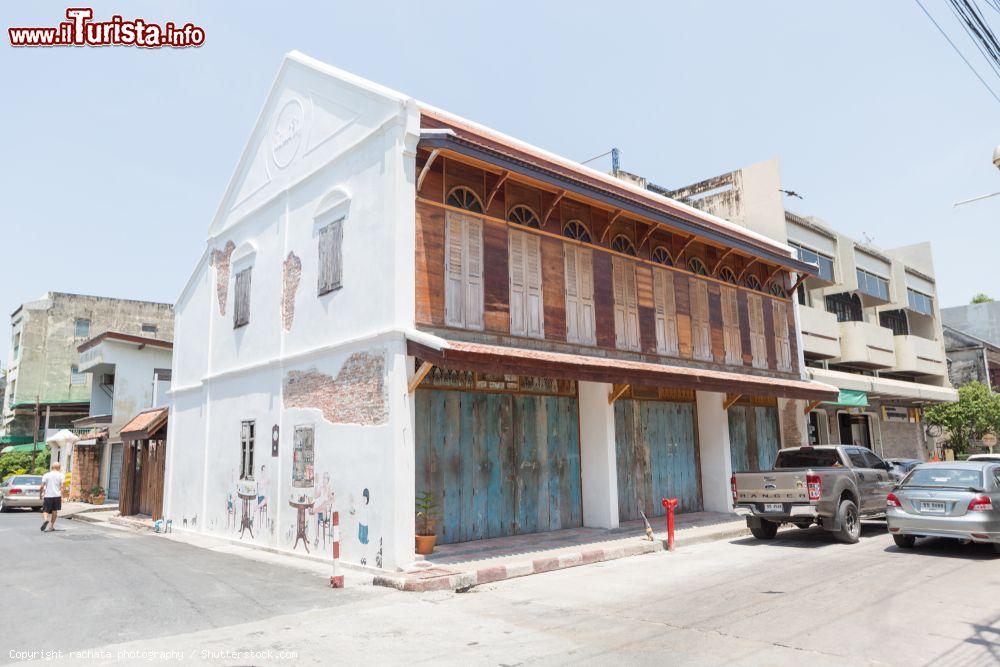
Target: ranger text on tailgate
[[833, 486]]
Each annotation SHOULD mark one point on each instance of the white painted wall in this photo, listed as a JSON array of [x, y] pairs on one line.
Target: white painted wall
[[716, 461], [327, 146], [598, 462]]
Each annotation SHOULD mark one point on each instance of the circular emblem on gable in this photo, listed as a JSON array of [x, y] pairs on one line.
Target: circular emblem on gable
[[287, 133]]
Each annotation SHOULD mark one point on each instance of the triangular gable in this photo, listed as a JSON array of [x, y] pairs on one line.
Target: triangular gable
[[312, 113]]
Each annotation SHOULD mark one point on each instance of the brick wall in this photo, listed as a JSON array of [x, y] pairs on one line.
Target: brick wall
[[86, 471], [793, 424], [291, 275], [903, 440], [220, 261], [356, 396]]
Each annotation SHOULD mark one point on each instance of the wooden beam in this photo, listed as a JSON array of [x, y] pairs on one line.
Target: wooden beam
[[652, 228], [617, 393], [771, 276], [728, 403], [798, 282], [427, 167], [812, 405], [746, 268], [718, 264], [607, 230], [496, 188], [419, 376], [552, 207], [680, 253]]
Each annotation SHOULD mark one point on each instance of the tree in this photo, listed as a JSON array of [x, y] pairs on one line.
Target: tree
[[982, 298], [976, 413]]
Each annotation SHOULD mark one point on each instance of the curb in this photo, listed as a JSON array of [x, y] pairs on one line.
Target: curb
[[442, 579]]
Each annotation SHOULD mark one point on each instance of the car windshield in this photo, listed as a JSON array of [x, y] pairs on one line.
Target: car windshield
[[26, 480], [945, 477], [807, 458]]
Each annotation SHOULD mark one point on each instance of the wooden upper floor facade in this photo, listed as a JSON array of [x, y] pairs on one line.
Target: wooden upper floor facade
[[506, 258]]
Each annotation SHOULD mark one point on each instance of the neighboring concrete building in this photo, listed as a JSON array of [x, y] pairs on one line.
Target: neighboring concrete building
[[981, 320], [971, 359], [127, 374], [393, 300], [46, 388], [870, 323]]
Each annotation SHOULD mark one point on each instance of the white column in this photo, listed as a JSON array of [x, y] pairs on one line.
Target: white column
[[597, 456], [713, 442]]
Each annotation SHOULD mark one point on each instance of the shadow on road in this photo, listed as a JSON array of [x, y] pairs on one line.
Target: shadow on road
[[944, 548], [809, 538]]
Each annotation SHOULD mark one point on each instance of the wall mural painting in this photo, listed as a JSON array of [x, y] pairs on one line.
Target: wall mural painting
[[248, 509], [303, 497], [360, 512]]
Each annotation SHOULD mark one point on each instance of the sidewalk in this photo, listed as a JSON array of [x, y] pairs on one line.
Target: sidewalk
[[73, 508], [462, 566]]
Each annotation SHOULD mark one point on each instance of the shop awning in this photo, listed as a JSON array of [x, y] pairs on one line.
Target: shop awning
[[523, 361], [850, 397], [145, 424], [36, 447], [885, 388]]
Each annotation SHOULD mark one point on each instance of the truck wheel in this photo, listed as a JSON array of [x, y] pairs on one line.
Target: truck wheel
[[904, 541], [850, 522], [762, 529]]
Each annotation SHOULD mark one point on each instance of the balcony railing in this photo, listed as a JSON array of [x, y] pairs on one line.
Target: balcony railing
[[866, 344], [820, 333], [920, 356]]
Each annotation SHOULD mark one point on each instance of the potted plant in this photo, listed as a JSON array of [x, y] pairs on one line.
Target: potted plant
[[96, 495], [426, 522]]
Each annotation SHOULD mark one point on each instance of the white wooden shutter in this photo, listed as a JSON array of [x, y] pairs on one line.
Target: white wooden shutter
[[533, 285], [572, 281], [474, 273], [782, 346], [731, 326], [585, 273], [701, 332], [518, 297], [758, 343], [618, 280], [454, 273], [665, 311]]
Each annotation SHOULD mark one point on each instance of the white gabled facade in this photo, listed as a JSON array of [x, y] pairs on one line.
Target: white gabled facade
[[327, 148]]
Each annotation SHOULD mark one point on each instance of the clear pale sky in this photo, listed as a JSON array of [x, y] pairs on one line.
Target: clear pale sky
[[116, 158]]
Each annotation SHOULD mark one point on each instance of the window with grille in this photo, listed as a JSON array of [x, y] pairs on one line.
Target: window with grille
[[149, 329], [522, 215], [463, 197], [248, 437], [331, 238], [76, 378], [753, 282], [847, 307], [623, 244], [777, 289], [697, 267], [661, 256], [241, 304], [575, 229], [895, 320], [728, 275]]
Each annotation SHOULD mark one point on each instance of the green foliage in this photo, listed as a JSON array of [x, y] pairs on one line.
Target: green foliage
[[96, 490], [40, 470], [21, 462], [976, 413], [426, 513], [982, 298]]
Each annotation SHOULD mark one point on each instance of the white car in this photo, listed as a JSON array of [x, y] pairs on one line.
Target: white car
[[21, 491], [984, 457]]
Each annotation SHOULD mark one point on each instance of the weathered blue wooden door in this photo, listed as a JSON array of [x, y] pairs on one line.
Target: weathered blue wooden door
[[754, 438], [657, 457], [498, 464]]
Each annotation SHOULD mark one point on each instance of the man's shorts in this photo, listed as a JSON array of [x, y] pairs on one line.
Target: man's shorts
[[52, 504]]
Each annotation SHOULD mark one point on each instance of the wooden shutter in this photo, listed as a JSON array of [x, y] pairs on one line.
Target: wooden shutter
[[474, 273], [758, 343], [241, 306], [518, 291], [572, 280], [454, 280], [533, 285], [731, 326], [330, 243], [666, 312], [626, 304], [782, 347], [701, 332], [463, 301], [585, 293]]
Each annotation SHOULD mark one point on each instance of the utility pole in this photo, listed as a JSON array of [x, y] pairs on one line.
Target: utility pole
[[34, 434]]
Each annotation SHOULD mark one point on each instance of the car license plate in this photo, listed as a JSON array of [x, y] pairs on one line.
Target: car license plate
[[774, 507], [926, 506]]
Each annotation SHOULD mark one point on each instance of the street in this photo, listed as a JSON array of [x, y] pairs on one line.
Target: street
[[799, 598]]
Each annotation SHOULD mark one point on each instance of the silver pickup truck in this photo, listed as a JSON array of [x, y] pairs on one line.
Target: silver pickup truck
[[834, 486]]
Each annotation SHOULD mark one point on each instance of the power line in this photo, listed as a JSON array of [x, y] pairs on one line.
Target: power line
[[963, 21], [960, 54]]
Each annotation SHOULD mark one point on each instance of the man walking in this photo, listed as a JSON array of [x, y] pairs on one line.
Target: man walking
[[51, 492]]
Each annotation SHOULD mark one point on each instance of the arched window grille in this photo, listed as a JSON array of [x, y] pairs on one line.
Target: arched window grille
[[697, 267], [753, 282], [623, 244], [728, 275], [574, 229], [661, 256], [463, 197], [523, 215]]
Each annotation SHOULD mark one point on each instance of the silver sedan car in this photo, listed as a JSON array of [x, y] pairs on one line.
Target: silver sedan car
[[21, 491], [958, 500]]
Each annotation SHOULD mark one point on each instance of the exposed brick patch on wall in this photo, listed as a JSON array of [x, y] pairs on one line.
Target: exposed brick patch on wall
[[291, 274], [356, 396], [220, 261], [86, 473], [902, 440], [791, 419]]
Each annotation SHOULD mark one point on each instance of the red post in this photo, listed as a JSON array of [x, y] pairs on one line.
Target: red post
[[336, 579], [670, 504]]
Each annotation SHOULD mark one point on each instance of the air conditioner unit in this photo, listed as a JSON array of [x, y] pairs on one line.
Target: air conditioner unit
[[108, 379]]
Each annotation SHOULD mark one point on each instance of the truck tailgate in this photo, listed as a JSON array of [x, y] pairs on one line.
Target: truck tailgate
[[788, 486]]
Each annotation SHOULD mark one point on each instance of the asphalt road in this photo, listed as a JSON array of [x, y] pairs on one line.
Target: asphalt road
[[801, 599]]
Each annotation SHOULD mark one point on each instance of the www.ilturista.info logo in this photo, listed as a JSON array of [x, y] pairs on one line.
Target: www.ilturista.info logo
[[80, 30]]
